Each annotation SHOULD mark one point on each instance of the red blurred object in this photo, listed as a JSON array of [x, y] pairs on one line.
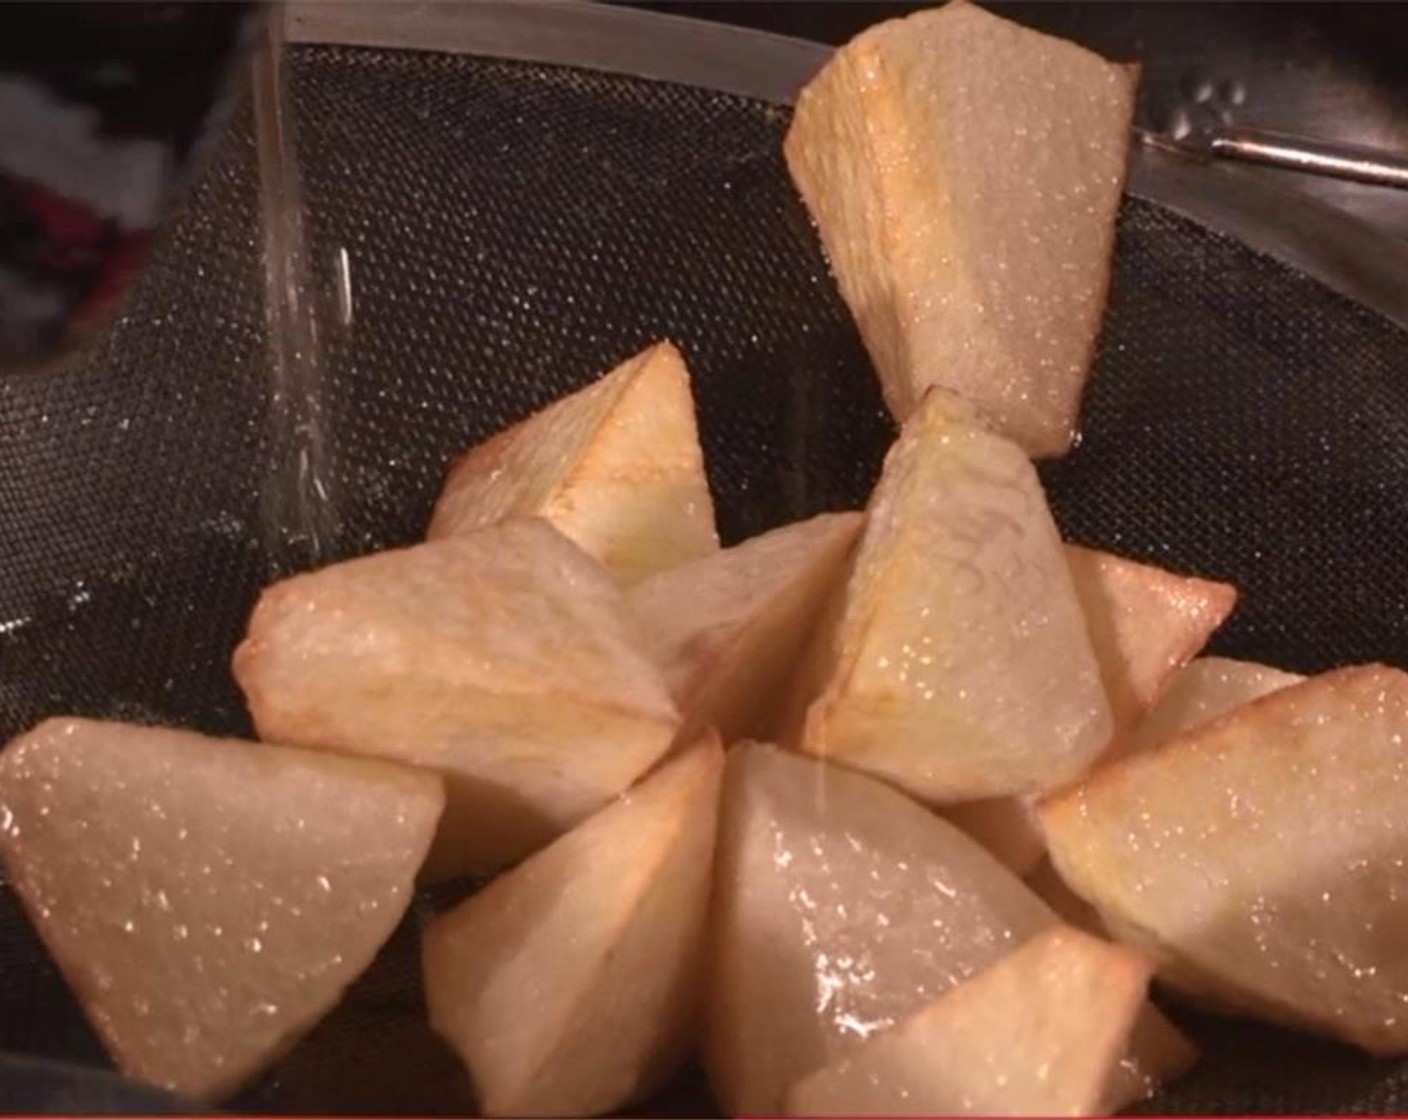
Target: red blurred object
[[103, 112]]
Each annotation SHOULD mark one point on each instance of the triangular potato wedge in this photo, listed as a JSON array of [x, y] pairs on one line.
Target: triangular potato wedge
[[728, 629], [616, 466], [1208, 688], [1262, 858], [840, 908], [958, 665], [1039, 1033], [571, 984], [965, 173], [506, 660], [1145, 624], [1158, 1054], [208, 900]]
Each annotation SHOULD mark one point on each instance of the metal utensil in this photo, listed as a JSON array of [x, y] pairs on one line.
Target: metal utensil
[[1350, 162]]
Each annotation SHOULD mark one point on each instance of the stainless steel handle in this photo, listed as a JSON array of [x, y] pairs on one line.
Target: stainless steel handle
[[1295, 153]]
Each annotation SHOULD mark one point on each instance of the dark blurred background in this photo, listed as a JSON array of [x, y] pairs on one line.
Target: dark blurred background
[[1377, 30]]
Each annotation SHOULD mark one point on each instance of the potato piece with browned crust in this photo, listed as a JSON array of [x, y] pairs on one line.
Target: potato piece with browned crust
[[616, 466], [1206, 689], [1145, 623], [1039, 1033], [841, 907], [208, 900], [965, 173], [570, 985], [1262, 858], [957, 664], [506, 660], [727, 630]]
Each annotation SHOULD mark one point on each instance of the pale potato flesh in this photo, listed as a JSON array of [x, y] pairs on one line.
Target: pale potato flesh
[[616, 466], [840, 908], [208, 900], [728, 629], [959, 665], [1206, 689], [1145, 623], [571, 984], [964, 174], [506, 660], [1158, 1053], [1262, 858], [1039, 1033]]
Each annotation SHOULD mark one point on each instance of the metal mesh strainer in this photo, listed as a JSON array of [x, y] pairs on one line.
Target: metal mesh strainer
[[514, 229]]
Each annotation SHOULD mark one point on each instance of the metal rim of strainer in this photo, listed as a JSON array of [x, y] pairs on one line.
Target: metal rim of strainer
[[1342, 252]]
